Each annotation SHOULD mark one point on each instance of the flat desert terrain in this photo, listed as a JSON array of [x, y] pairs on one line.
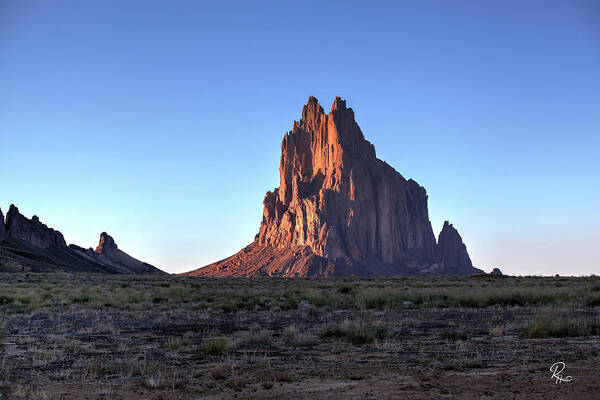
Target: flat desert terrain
[[110, 337]]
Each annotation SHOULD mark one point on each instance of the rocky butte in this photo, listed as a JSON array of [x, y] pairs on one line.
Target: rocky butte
[[339, 210]]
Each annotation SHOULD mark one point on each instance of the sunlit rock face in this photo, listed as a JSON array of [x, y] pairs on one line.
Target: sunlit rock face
[[106, 244], [339, 210], [31, 230], [338, 198]]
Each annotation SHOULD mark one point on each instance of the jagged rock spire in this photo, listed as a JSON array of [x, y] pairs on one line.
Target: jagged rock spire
[[451, 249], [105, 244]]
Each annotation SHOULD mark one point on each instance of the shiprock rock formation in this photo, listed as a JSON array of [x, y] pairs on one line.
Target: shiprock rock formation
[[339, 210], [29, 245]]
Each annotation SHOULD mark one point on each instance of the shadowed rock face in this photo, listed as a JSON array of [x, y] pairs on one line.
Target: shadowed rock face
[[452, 251], [339, 210], [32, 230], [29, 245], [2, 226]]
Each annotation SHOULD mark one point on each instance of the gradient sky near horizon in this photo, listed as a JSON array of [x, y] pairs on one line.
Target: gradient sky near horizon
[[161, 122]]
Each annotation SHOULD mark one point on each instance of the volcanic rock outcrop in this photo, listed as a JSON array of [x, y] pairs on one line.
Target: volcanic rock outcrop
[[29, 245], [339, 210], [2, 227], [108, 253], [106, 245], [31, 230], [452, 251]]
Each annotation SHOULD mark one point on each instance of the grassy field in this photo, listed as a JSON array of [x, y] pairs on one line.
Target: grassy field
[[30, 292], [98, 336]]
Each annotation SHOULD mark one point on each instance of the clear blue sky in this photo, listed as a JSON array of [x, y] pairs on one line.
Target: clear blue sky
[[161, 124]]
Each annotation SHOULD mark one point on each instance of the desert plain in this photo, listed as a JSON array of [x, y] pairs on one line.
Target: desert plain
[[92, 336]]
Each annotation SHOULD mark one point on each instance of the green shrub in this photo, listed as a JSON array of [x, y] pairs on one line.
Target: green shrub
[[230, 307], [550, 324], [451, 334], [345, 289], [159, 299], [292, 336], [253, 337], [333, 330], [176, 343], [593, 301], [355, 333], [359, 335], [214, 347]]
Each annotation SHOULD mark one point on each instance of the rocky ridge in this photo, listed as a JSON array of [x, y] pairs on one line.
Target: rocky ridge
[[108, 253], [31, 230], [29, 245]]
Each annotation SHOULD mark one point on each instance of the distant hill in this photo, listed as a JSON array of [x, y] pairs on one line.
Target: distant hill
[[29, 245]]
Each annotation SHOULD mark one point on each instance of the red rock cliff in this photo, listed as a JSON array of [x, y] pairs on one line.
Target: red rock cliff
[[338, 198], [339, 210]]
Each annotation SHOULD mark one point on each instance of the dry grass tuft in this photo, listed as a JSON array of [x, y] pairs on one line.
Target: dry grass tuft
[[551, 324], [293, 336]]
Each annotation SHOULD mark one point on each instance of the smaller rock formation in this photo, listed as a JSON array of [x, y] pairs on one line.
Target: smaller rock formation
[[32, 230], [108, 253], [106, 244], [29, 245], [496, 271], [452, 251], [2, 226]]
